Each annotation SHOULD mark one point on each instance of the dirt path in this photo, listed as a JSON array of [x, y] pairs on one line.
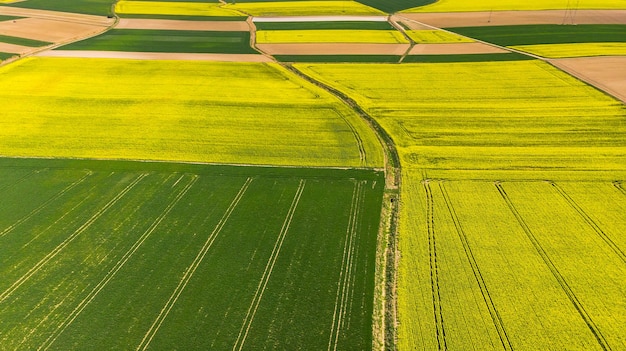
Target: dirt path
[[155, 56], [604, 72], [501, 18], [222, 26]]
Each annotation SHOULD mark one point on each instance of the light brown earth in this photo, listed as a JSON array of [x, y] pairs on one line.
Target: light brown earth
[[455, 49], [607, 73], [222, 26], [15, 49], [56, 15], [155, 56], [500, 18], [47, 29], [333, 49]]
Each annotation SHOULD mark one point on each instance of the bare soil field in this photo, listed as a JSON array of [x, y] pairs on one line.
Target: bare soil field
[[15, 49], [47, 29], [163, 24], [56, 15], [605, 72], [156, 56], [455, 49], [502, 18], [333, 49]]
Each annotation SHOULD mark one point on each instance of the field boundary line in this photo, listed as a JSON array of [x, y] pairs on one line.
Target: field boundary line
[[269, 268], [45, 204], [117, 267], [69, 239], [434, 269], [347, 263], [554, 270], [189, 272], [590, 221], [493, 311]]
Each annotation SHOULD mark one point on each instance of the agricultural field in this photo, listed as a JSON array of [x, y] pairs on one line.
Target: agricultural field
[[516, 5], [330, 36], [128, 8], [574, 50], [119, 255], [151, 40], [304, 8], [502, 244], [178, 111], [426, 36], [92, 7]]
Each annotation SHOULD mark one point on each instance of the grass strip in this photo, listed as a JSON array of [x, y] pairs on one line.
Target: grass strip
[[22, 41], [167, 41], [546, 34]]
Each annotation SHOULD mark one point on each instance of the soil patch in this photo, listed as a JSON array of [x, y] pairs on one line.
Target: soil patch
[[155, 56], [503, 18], [47, 29], [333, 49], [455, 49], [606, 72], [164, 24], [15, 49]]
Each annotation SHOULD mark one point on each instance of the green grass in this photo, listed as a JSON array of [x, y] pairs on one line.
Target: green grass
[[355, 25], [338, 58], [93, 7], [546, 34], [22, 41], [167, 41], [245, 113], [100, 252], [466, 58]]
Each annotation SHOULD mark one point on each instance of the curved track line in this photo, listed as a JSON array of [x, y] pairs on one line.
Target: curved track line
[[555, 272], [118, 266], [495, 316], [69, 239], [269, 267], [189, 272], [42, 206]]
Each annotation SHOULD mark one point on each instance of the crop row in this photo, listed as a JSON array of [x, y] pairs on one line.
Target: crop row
[[163, 259]]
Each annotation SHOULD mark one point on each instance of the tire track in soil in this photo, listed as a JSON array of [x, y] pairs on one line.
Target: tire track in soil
[[189, 272], [118, 266], [596, 228], [44, 205], [69, 239], [618, 186], [347, 263], [267, 273], [553, 269], [434, 269], [495, 315]]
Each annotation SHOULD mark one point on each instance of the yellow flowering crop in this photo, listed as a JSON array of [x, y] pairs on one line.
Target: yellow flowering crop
[[305, 8], [173, 8], [330, 36], [517, 5], [574, 49]]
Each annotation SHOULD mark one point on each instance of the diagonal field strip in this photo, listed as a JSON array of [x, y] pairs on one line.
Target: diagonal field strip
[[269, 267], [553, 269], [131, 251], [189, 272], [23, 178], [46, 203], [495, 315], [347, 264], [69, 239]]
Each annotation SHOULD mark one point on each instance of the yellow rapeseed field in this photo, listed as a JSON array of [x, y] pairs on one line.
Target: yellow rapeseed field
[[244, 113], [330, 36], [436, 37], [486, 242], [517, 5], [574, 49], [304, 8], [130, 7]]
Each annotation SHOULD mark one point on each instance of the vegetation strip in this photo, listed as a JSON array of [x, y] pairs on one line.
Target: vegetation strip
[[23, 41], [5, 294], [267, 273], [118, 266], [147, 339], [562, 282]]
